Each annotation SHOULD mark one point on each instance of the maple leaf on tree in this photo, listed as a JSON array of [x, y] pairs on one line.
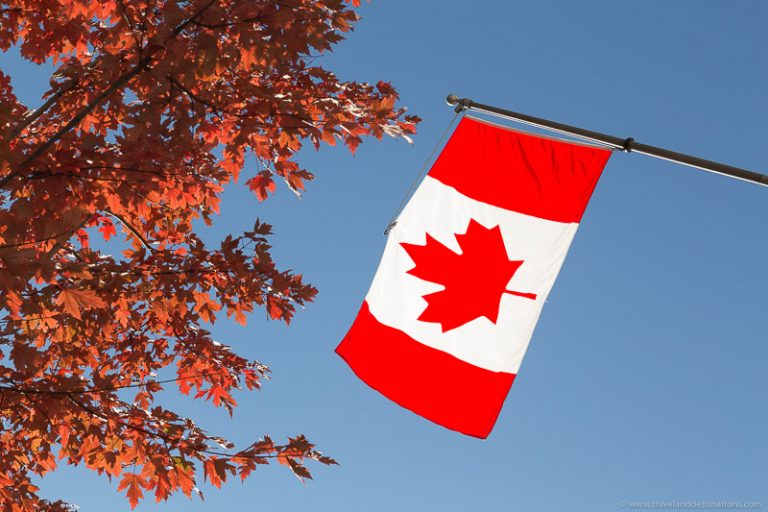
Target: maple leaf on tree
[[133, 484], [152, 110], [474, 280], [73, 301]]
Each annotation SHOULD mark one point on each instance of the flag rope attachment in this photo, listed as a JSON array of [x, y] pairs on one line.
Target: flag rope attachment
[[627, 145], [393, 221]]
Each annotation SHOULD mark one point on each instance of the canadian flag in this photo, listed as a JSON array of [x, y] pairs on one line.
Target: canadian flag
[[466, 271]]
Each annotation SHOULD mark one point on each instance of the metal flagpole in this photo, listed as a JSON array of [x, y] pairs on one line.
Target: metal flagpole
[[628, 144]]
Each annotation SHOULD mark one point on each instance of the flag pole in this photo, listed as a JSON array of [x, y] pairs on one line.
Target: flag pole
[[628, 145]]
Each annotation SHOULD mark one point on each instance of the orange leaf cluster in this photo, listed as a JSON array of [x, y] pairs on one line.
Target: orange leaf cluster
[[152, 110]]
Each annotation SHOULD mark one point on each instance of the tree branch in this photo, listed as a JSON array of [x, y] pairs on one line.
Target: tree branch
[[58, 245], [132, 230], [32, 116], [124, 12], [37, 241], [100, 98], [86, 391]]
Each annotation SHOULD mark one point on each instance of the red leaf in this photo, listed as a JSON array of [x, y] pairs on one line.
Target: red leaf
[[74, 301], [216, 470], [275, 307], [262, 184], [107, 228], [474, 280], [240, 317], [133, 484]]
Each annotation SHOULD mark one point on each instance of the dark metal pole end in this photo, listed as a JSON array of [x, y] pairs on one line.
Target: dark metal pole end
[[461, 103]]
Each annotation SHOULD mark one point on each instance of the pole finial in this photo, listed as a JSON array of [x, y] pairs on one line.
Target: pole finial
[[461, 104]]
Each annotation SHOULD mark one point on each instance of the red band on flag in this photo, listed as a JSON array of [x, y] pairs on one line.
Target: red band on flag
[[434, 384], [542, 177]]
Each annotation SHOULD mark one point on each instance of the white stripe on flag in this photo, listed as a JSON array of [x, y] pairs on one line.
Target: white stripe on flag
[[443, 212]]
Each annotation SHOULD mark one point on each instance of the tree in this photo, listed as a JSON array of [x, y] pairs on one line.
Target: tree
[[151, 111]]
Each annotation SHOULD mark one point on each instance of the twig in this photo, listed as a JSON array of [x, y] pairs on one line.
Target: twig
[[132, 230]]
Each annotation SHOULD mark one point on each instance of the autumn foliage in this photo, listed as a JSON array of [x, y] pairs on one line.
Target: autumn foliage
[[152, 109]]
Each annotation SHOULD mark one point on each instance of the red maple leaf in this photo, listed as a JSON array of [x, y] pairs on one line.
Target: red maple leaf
[[474, 280]]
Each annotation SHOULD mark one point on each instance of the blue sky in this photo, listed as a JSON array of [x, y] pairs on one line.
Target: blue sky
[[646, 378]]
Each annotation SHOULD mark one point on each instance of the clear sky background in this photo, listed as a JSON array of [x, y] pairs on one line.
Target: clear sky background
[[646, 378]]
